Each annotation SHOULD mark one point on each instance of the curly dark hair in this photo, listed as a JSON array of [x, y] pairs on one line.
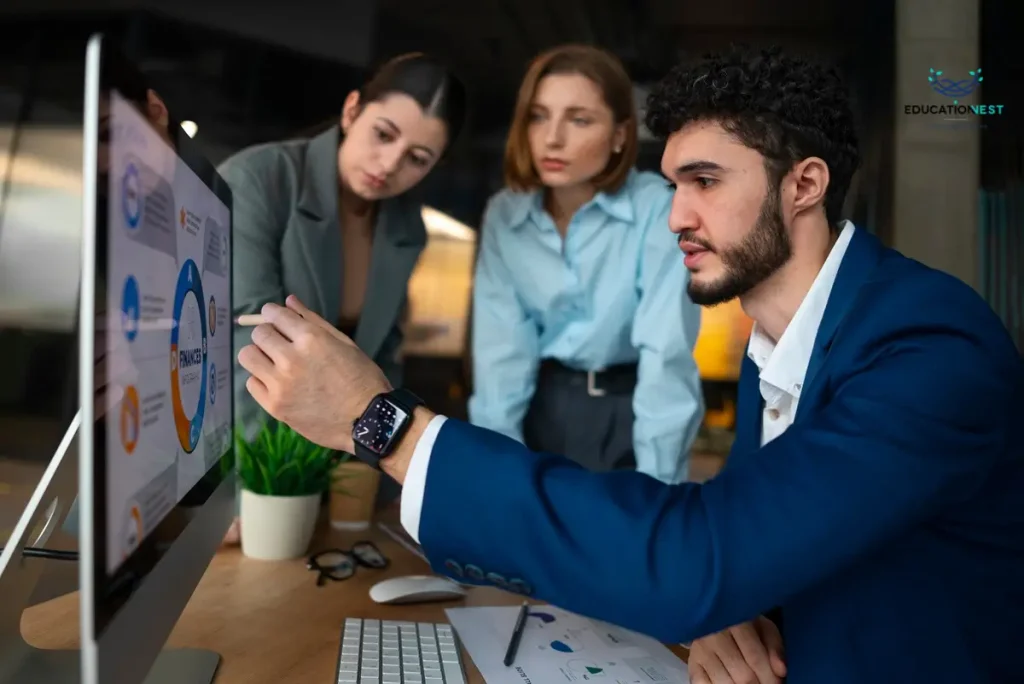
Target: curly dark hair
[[785, 107]]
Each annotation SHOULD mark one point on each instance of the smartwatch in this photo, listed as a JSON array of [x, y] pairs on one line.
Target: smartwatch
[[382, 425]]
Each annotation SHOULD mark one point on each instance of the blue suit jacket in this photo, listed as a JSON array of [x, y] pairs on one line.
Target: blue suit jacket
[[887, 523]]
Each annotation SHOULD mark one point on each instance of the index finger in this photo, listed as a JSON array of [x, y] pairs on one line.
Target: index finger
[[293, 303], [286, 321], [296, 305]]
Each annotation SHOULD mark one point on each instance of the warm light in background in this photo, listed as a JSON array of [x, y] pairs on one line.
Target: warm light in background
[[440, 224], [190, 128], [439, 290], [722, 342]]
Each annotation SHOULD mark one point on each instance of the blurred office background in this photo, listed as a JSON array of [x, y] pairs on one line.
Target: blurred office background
[[947, 192]]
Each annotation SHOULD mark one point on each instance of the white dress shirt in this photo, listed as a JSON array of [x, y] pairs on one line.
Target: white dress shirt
[[782, 366], [416, 478], [782, 369]]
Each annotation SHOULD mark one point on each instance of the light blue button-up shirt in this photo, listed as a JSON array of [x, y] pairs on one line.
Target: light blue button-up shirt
[[613, 292]]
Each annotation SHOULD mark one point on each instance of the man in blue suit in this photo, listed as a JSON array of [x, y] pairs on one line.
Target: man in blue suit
[[873, 503]]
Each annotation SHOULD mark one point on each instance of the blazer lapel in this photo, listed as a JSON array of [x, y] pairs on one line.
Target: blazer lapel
[[749, 412], [860, 259], [399, 237], [319, 232]]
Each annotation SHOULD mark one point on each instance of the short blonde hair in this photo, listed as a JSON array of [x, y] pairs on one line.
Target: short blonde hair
[[608, 73]]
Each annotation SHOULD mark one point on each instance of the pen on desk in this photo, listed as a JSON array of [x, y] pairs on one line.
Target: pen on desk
[[517, 634], [249, 320]]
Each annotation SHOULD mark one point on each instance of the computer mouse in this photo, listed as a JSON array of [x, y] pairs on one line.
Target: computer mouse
[[416, 589]]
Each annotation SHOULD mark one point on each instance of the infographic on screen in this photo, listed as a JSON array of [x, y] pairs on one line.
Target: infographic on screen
[[167, 294]]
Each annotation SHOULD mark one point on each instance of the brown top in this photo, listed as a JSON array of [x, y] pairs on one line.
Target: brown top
[[356, 250]]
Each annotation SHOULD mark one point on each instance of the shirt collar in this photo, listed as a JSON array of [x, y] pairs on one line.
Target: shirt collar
[[784, 365], [618, 205]]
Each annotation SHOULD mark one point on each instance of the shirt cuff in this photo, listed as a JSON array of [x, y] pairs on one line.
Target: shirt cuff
[[416, 478]]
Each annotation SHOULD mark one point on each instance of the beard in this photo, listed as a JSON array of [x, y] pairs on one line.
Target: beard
[[762, 252]]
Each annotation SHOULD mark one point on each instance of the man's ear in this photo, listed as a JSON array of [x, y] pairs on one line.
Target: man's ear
[[156, 110], [809, 182], [350, 110]]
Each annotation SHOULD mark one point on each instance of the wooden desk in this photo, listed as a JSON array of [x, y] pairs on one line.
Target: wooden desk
[[269, 621]]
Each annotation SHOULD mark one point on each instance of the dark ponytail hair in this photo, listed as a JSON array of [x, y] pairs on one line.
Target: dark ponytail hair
[[426, 80]]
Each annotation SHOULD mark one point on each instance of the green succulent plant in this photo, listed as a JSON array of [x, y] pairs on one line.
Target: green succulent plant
[[279, 461]]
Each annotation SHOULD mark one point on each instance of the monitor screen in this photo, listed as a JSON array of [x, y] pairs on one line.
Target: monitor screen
[[168, 404]]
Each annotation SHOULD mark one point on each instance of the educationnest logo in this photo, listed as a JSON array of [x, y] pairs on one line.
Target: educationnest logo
[[954, 90]]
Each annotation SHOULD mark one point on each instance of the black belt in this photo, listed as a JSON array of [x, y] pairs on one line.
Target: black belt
[[619, 379]]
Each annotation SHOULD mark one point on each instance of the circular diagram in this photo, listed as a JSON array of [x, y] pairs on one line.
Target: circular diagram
[[131, 196], [213, 316], [130, 308], [130, 419], [188, 357]]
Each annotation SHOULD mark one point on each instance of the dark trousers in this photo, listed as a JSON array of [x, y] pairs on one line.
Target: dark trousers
[[565, 418]]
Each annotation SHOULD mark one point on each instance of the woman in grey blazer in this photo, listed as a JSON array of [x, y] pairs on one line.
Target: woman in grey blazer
[[329, 219]]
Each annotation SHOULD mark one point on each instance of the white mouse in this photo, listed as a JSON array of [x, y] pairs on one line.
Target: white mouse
[[415, 589]]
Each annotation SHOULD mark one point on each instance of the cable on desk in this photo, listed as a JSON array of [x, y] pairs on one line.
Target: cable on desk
[[49, 554]]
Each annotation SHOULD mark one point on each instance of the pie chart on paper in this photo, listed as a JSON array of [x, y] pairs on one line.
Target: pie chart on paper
[[585, 667], [546, 618]]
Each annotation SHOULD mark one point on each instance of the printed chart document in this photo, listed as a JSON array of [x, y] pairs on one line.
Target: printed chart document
[[559, 646]]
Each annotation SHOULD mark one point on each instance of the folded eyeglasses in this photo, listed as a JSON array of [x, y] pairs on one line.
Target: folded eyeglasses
[[340, 564]]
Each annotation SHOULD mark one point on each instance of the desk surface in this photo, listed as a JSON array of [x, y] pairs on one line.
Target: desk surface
[[269, 621]]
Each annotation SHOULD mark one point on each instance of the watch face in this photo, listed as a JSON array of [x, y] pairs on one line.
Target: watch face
[[376, 429]]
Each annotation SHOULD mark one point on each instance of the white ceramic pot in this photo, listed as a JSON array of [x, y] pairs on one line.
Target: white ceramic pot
[[277, 527]]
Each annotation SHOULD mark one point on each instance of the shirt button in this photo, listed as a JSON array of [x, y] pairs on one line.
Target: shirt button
[[773, 414]]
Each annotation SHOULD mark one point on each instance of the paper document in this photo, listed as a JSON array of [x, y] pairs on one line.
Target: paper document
[[559, 646]]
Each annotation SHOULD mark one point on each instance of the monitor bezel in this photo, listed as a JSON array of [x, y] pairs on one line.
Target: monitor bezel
[[108, 592]]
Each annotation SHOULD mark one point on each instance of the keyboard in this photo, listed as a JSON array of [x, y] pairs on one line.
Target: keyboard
[[395, 652]]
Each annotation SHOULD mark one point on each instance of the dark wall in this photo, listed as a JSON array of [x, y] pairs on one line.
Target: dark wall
[[243, 91], [1002, 138]]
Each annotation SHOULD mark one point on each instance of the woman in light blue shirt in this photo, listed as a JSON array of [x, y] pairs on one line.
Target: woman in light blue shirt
[[582, 332]]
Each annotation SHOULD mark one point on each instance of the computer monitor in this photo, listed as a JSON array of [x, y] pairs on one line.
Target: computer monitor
[[156, 481]]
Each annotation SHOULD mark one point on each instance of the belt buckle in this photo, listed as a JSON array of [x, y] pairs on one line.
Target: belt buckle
[[592, 389]]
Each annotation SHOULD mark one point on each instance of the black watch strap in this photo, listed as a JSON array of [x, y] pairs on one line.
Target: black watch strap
[[367, 456], [404, 399]]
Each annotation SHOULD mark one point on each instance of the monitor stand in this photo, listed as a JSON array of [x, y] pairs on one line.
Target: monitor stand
[[46, 511]]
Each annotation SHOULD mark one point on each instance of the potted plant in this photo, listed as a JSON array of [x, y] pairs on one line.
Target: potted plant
[[283, 478]]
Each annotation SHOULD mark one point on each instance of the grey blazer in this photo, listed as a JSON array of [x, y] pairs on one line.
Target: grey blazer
[[287, 240]]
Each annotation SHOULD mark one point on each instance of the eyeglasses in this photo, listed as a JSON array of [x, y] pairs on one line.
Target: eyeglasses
[[340, 564]]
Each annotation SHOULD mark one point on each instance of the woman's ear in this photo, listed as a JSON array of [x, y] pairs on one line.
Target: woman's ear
[[619, 138], [350, 110], [156, 110]]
